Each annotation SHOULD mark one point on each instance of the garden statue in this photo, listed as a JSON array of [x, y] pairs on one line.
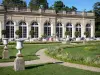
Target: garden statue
[[5, 54], [19, 63]]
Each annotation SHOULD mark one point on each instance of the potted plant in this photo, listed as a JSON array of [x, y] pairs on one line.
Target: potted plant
[[18, 33], [4, 32], [77, 34], [67, 34], [86, 34], [44, 37], [32, 33]]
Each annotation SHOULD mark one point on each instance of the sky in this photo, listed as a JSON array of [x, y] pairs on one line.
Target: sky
[[79, 4]]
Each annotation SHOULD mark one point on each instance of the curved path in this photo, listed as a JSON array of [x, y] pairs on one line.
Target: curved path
[[45, 59]]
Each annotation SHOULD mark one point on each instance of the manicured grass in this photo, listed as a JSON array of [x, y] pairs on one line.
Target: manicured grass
[[47, 69], [88, 54], [28, 51], [80, 51]]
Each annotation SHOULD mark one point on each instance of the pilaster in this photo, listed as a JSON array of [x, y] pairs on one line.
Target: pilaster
[[63, 30], [92, 28], [73, 30]]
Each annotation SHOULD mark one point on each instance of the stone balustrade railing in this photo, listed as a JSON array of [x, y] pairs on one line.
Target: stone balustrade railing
[[49, 11]]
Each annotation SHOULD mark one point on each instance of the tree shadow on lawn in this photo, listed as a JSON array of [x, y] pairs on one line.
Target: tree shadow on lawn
[[33, 55], [12, 57], [35, 66]]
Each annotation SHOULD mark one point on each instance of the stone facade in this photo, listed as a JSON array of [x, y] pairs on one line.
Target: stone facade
[[41, 17]]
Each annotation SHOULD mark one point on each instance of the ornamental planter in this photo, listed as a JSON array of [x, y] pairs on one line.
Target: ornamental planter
[[5, 53]]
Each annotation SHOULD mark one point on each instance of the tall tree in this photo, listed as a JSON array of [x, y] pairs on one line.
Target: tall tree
[[96, 9], [44, 3], [58, 5], [14, 3], [73, 8], [35, 4]]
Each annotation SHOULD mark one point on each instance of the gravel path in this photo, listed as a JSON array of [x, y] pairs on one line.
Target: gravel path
[[46, 59]]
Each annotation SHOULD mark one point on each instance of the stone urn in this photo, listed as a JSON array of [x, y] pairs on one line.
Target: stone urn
[[19, 46], [68, 38], [5, 54], [19, 63], [78, 39], [57, 39]]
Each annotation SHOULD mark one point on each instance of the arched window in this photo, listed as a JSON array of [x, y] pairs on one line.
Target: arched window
[[47, 29], [34, 27], [59, 30], [69, 28], [88, 28], [10, 29], [23, 28], [78, 28]]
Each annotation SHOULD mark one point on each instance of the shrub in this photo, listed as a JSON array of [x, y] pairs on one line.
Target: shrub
[[88, 60], [87, 34], [32, 33], [67, 33], [77, 33], [18, 32]]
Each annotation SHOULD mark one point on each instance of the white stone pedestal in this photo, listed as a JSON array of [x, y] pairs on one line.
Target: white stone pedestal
[[78, 39], [19, 64], [5, 54]]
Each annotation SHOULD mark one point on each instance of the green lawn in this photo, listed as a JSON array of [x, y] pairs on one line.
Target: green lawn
[[47, 69], [80, 51], [28, 51]]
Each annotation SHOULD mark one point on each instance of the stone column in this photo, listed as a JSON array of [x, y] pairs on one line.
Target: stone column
[[83, 26], [0, 30], [28, 30], [92, 28], [63, 30], [73, 30], [41, 27], [53, 26], [16, 27]]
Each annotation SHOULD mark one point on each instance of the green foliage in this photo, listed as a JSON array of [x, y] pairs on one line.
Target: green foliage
[[96, 9], [76, 56], [35, 4], [67, 33], [97, 33], [32, 33], [74, 8], [4, 32], [87, 34], [58, 5], [91, 48], [14, 3], [18, 32], [44, 36], [77, 33]]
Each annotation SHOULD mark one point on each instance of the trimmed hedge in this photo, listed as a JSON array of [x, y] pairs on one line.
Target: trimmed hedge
[[13, 43]]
